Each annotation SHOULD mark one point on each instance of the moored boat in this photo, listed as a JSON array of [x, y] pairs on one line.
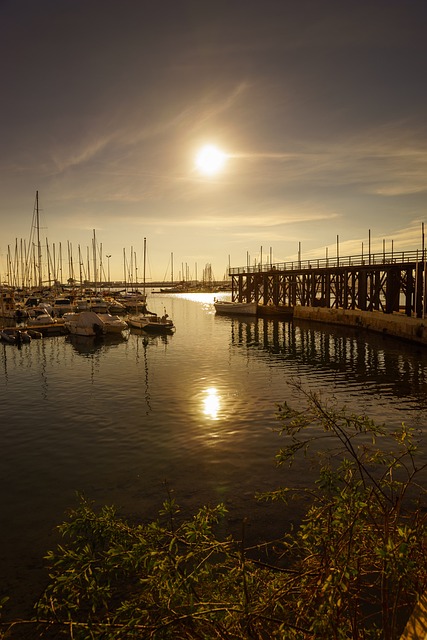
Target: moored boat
[[147, 320], [11, 335], [132, 301], [37, 309], [239, 308], [42, 319], [89, 323], [9, 308], [46, 324], [96, 304], [115, 307], [112, 323], [151, 322], [34, 334], [62, 305], [84, 323]]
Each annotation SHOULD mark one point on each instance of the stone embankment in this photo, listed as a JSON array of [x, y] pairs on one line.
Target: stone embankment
[[394, 324]]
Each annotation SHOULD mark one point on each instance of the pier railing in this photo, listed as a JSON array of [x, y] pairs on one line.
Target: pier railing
[[389, 257], [388, 282]]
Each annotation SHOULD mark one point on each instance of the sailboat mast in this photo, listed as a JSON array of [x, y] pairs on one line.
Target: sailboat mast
[[145, 257], [95, 275], [39, 247], [80, 269]]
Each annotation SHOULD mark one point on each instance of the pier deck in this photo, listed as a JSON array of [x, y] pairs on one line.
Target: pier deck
[[386, 283]]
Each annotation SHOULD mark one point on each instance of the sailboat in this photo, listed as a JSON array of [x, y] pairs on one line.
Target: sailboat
[[148, 320]]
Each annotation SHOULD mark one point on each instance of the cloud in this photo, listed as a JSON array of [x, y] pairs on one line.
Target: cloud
[[389, 162]]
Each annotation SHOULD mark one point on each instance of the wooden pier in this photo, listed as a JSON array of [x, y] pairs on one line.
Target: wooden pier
[[386, 282]]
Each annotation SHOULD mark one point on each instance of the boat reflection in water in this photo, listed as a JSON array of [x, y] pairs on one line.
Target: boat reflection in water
[[144, 342], [152, 338], [87, 345]]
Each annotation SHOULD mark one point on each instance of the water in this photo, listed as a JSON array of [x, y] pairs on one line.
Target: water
[[125, 420]]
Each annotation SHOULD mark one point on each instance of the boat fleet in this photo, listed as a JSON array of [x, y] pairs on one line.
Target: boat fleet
[[88, 316]]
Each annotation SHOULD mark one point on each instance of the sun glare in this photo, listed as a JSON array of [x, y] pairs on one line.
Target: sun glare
[[210, 160], [211, 403]]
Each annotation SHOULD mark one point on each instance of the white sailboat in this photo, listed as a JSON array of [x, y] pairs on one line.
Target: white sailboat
[[148, 320]]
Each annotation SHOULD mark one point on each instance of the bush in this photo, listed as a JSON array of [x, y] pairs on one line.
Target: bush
[[360, 551], [353, 568]]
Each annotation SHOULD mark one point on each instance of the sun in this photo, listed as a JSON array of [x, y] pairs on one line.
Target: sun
[[210, 160]]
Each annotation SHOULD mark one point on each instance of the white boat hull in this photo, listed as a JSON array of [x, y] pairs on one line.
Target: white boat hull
[[89, 323], [112, 324], [75, 330], [236, 308], [41, 320], [84, 323]]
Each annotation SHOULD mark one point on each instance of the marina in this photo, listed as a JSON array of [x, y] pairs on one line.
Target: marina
[[272, 155], [125, 419]]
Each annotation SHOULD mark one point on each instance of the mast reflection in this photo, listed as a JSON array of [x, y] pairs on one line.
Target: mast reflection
[[144, 342]]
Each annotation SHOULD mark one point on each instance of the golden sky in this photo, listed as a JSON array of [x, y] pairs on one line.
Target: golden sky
[[319, 110]]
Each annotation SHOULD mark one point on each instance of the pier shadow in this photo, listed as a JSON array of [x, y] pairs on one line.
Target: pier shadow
[[372, 360]]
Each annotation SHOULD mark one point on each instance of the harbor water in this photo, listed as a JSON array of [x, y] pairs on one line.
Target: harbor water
[[126, 420]]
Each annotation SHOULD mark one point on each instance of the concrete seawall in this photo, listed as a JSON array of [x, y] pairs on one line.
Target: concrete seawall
[[394, 324]]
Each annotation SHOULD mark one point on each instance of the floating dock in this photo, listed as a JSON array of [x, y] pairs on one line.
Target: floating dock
[[57, 329]]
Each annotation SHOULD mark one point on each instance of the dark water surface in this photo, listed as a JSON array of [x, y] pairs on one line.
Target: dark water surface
[[118, 419]]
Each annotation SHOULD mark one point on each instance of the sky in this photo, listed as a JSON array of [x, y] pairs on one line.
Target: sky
[[319, 108]]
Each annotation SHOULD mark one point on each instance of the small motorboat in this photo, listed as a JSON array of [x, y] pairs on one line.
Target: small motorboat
[[151, 322], [89, 323], [112, 324], [62, 305], [14, 336], [84, 323], [42, 319], [34, 334], [239, 308], [46, 324], [35, 307], [115, 307], [96, 304]]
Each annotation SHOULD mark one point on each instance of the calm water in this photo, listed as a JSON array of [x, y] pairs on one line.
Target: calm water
[[118, 419]]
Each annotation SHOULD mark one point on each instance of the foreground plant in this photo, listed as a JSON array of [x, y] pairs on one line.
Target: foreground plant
[[360, 551], [163, 580], [353, 568]]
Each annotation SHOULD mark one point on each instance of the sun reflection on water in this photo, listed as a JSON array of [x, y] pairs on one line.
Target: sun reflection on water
[[211, 403]]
